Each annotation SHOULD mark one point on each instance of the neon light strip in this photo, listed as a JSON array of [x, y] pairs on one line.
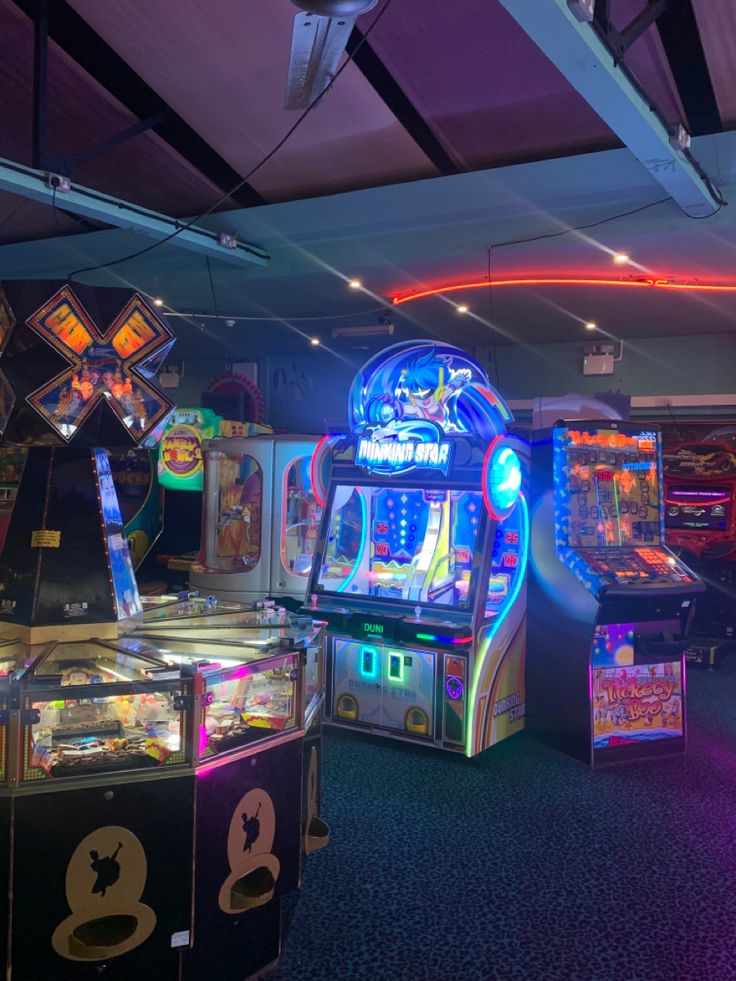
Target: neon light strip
[[701, 503], [493, 630], [660, 284], [364, 537], [314, 472], [445, 640]]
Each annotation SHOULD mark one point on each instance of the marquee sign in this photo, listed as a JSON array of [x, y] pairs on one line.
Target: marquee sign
[[112, 367]]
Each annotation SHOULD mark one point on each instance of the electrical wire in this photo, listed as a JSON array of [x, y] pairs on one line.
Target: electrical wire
[[579, 228], [13, 211], [278, 319], [212, 290], [252, 172]]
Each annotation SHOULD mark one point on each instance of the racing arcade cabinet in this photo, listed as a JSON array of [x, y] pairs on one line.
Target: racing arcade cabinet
[[609, 604]]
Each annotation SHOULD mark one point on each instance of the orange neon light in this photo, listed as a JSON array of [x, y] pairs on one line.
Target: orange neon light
[[661, 284]]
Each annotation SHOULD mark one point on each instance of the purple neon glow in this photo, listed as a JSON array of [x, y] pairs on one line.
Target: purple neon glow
[[454, 687]]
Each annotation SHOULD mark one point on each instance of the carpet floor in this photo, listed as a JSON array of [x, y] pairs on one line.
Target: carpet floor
[[522, 865]]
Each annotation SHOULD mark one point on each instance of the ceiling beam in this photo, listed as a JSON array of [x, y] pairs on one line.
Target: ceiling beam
[[582, 57], [36, 184], [385, 85], [680, 36], [74, 36]]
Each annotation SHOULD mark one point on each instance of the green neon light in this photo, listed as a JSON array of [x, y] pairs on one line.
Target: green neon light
[[521, 570], [395, 666], [373, 662]]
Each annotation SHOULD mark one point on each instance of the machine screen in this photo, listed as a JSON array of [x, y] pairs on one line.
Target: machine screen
[[612, 487], [401, 543], [705, 508]]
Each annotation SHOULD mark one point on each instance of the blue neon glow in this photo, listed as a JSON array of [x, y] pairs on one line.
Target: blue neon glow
[[505, 479], [406, 400], [494, 626], [361, 548]]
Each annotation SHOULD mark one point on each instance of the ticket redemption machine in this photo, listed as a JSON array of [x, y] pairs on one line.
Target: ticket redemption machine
[[260, 519], [609, 603], [421, 558]]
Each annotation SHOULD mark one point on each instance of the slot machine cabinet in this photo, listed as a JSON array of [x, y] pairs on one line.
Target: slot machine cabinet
[[420, 563], [609, 603], [700, 524], [260, 519]]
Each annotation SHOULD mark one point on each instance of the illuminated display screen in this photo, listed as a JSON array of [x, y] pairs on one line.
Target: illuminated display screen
[[612, 488], [705, 508], [401, 543]]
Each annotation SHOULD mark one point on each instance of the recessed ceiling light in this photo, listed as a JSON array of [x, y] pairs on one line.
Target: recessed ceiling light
[[314, 341], [355, 284], [462, 308], [158, 302], [591, 325], [620, 258]]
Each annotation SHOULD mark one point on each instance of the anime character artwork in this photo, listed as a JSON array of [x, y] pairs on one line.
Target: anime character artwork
[[414, 389]]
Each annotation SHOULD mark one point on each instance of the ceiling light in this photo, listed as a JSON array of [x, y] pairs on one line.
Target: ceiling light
[[384, 326], [620, 258], [314, 341], [158, 302], [355, 284], [462, 308], [591, 325]]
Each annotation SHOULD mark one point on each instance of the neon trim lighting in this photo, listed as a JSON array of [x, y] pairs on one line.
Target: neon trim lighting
[[363, 539], [646, 283], [445, 640], [314, 472], [493, 629]]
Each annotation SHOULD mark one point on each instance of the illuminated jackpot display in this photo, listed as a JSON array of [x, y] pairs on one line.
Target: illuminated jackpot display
[[111, 367]]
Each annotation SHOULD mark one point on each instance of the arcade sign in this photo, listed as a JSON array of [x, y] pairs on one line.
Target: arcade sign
[[395, 456], [410, 403], [112, 366]]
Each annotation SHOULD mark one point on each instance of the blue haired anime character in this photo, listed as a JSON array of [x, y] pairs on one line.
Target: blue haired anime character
[[426, 384], [420, 387]]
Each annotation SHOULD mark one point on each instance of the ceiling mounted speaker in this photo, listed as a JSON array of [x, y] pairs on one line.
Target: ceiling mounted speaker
[[318, 42]]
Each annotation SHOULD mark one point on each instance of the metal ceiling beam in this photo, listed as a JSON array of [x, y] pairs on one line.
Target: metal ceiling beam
[[385, 85], [582, 57], [683, 46], [84, 201], [74, 36]]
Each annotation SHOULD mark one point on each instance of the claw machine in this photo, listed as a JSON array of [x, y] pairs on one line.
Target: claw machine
[[260, 519]]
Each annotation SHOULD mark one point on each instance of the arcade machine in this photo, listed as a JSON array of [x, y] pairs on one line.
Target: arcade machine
[[181, 473], [700, 524], [105, 728], [260, 519], [420, 562], [609, 603]]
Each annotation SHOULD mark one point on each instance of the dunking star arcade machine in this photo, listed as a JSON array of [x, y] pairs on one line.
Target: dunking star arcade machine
[[420, 563], [609, 603]]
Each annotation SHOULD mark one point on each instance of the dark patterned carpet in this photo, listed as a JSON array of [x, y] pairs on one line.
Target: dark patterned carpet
[[524, 865]]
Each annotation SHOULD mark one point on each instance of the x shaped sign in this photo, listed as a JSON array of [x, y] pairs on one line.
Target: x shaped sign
[[113, 367]]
